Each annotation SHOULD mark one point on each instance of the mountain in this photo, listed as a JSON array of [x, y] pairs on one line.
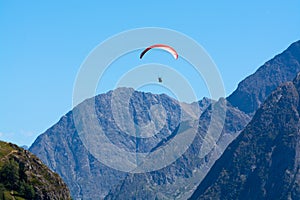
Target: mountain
[[254, 89], [62, 149], [263, 162], [23, 176], [25, 147]]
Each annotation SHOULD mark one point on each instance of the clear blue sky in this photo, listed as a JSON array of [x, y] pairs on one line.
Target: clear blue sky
[[42, 45]]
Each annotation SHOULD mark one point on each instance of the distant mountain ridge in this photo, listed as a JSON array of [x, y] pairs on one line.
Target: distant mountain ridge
[[263, 162], [62, 150]]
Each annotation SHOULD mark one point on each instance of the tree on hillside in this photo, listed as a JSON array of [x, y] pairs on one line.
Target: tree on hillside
[[9, 175]]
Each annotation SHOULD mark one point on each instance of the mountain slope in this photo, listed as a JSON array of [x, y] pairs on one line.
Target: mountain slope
[[254, 89], [263, 162], [23, 176]]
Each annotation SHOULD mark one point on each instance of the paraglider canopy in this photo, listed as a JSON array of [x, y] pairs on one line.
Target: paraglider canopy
[[161, 46]]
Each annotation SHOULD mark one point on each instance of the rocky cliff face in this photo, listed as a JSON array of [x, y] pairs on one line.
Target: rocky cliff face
[[263, 162], [252, 91], [24, 176]]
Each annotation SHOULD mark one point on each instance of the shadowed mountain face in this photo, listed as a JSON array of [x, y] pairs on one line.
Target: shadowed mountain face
[[62, 149], [263, 162], [253, 90]]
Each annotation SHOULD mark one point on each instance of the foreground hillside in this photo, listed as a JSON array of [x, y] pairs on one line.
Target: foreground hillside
[[263, 162], [23, 176]]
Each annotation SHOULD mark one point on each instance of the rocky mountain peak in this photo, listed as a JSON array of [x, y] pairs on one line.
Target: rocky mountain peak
[[120, 113]]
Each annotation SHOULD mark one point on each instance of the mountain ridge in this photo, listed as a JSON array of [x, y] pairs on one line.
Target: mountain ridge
[[282, 68], [263, 162]]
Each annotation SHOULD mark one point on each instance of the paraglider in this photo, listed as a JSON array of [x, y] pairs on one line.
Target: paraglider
[[159, 79], [161, 46]]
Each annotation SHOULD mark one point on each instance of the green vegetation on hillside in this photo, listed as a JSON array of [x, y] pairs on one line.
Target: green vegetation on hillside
[[23, 176], [13, 178]]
